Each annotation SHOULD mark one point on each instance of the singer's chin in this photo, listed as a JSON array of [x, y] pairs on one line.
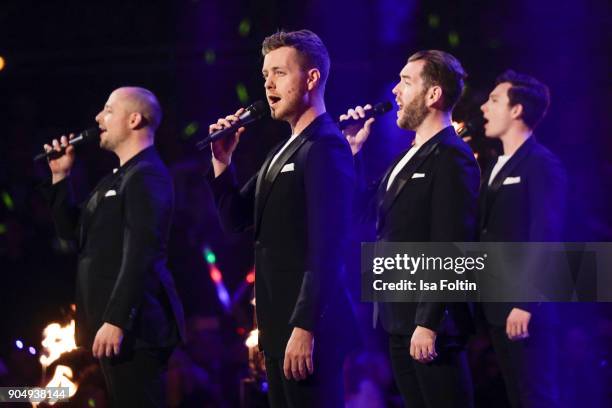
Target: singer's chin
[[104, 145]]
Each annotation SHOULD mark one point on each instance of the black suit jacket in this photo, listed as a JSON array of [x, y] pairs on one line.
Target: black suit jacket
[[122, 232], [442, 206], [530, 210], [300, 211]]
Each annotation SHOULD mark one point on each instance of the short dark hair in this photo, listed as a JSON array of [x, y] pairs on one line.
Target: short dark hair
[[308, 45], [530, 93], [444, 70]]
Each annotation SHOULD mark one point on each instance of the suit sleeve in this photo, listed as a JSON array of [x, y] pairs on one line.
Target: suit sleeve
[[454, 214], [236, 207], [64, 210], [329, 183], [547, 194], [364, 206], [147, 214], [547, 189]]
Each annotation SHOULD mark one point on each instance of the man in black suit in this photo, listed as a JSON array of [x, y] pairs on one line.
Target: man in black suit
[[128, 310], [523, 199], [429, 194], [297, 206]]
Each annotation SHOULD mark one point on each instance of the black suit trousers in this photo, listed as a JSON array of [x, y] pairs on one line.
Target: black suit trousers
[[137, 377], [529, 366], [323, 389], [443, 383]]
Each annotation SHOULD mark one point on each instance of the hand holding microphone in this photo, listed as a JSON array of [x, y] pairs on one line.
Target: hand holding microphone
[[61, 162], [60, 154], [224, 135], [356, 123], [223, 147]]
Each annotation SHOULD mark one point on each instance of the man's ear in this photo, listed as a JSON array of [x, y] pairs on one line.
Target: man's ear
[[136, 120], [516, 111], [434, 96], [313, 78]]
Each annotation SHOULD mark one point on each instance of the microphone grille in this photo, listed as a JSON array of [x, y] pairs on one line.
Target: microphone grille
[[91, 133], [258, 108], [383, 107]]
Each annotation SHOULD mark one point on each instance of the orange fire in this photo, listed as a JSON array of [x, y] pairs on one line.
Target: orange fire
[[61, 378], [57, 340], [251, 341]]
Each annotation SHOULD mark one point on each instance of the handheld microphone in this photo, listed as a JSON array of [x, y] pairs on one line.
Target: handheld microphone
[[254, 112], [377, 110], [470, 126], [84, 137]]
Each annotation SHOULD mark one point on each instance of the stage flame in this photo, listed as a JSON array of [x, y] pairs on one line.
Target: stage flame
[[252, 340], [61, 378], [58, 340]]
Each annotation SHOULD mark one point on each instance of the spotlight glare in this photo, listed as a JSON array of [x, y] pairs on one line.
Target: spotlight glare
[[8, 200], [433, 20], [453, 39], [244, 28], [215, 275], [210, 256], [243, 95], [250, 278], [210, 56]]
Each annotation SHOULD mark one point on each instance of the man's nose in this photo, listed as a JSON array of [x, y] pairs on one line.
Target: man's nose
[[269, 83]]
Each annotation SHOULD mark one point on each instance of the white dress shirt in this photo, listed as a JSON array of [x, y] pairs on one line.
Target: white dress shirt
[[400, 165], [282, 149], [501, 161]]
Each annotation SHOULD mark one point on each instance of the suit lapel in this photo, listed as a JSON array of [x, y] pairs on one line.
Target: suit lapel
[[484, 192], [382, 187], [266, 178], [273, 172], [111, 181], [261, 188], [514, 161], [505, 171], [91, 205], [406, 173]]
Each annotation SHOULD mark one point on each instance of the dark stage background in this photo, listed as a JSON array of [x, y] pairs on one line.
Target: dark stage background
[[61, 60]]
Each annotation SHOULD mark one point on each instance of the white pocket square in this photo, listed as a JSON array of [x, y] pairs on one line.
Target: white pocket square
[[511, 180], [288, 167], [418, 175], [110, 193]]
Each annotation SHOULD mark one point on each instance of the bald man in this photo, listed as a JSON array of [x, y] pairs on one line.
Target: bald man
[[128, 310]]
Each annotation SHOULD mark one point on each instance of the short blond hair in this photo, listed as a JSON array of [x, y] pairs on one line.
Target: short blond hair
[[309, 46]]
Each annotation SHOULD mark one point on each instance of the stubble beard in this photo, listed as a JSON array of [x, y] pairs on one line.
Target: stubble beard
[[414, 113]]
